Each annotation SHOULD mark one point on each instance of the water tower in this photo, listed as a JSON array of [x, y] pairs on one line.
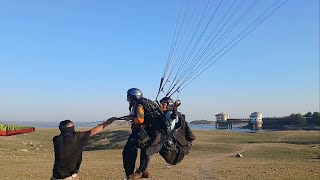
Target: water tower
[[256, 120], [222, 117], [222, 121]]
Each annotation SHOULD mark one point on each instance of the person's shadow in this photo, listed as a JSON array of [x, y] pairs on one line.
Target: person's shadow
[[108, 140]]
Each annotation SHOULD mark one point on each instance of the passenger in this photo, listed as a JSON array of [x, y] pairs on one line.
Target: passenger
[[178, 139]]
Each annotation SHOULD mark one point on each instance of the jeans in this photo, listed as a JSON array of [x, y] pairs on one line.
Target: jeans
[[130, 152]]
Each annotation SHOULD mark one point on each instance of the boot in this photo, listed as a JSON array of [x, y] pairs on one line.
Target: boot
[[128, 178], [136, 175], [145, 174]]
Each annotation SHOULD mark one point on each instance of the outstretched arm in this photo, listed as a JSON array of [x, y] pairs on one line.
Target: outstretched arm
[[100, 127], [127, 118]]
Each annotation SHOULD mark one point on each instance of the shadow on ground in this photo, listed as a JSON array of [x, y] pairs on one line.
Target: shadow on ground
[[108, 140]]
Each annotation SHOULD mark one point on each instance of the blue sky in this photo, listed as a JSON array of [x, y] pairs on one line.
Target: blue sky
[[76, 59]]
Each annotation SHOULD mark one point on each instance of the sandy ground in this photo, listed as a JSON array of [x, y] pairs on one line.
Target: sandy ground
[[268, 155]]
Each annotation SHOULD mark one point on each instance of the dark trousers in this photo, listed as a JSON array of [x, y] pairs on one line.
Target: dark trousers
[[130, 152]]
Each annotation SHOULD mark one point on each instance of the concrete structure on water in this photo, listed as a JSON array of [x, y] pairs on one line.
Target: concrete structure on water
[[223, 121], [221, 117], [256, 120]]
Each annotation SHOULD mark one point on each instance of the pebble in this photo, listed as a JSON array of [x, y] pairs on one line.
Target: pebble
[[239, 155]]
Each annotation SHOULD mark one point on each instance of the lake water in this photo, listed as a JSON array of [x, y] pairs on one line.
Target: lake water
[[236, 128]]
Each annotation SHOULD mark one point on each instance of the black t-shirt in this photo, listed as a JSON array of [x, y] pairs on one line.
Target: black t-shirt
[[68, 153]]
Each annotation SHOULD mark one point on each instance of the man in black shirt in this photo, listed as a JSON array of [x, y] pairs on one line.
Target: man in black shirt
[[68, 147]]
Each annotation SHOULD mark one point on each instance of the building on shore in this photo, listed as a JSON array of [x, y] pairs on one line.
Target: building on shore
[[223, 121], [256, 120], [222, 117]]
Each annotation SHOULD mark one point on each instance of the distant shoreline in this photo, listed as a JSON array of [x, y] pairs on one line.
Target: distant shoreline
[[202, 122]]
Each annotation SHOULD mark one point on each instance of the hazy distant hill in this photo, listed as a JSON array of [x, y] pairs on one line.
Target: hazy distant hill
[[201, 122]]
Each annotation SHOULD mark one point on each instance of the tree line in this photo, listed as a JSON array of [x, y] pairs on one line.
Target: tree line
[[293, 119]]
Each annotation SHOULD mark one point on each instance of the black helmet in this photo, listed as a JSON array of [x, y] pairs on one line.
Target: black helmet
[[134, 93], [167, 100]]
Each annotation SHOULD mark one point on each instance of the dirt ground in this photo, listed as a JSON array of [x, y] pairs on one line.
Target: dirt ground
[[266, 155]]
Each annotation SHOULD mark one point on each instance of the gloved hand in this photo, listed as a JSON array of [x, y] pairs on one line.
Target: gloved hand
[[177, 103]]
